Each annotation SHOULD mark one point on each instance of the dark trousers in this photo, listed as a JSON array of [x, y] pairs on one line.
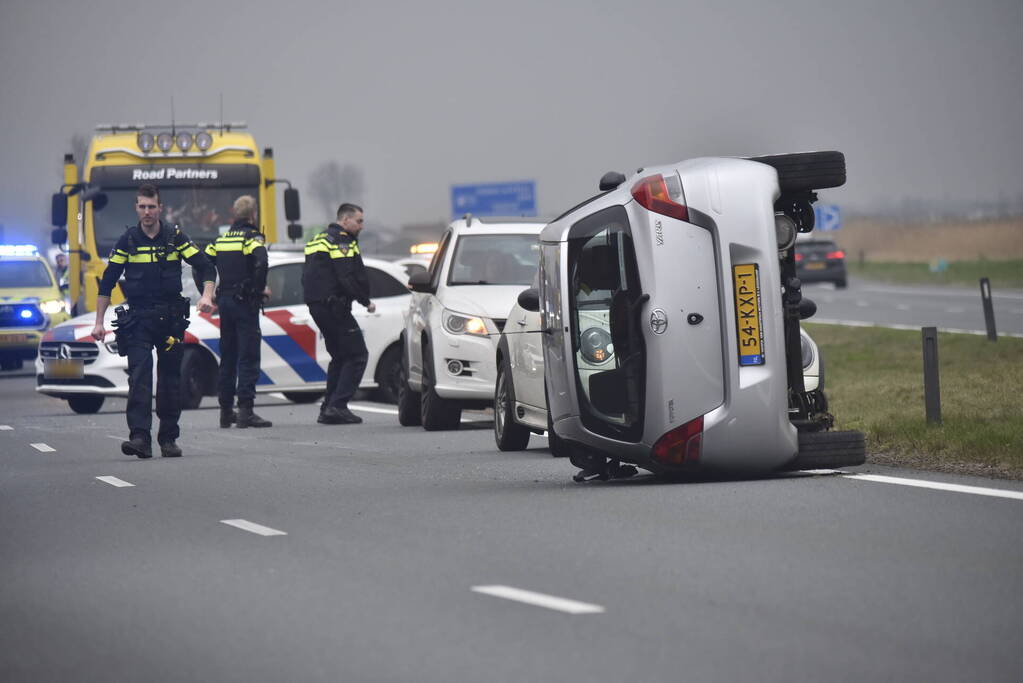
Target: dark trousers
[[347, 349], [150, 332], [240, 338]]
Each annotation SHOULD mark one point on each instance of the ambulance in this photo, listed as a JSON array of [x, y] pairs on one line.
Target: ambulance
[[31, 302]]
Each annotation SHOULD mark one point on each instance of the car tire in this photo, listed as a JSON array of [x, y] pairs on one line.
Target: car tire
[[806, 171], [841, 284], [303, 396], [86, 404], [829, 450], [438, 413], [388, 375], [509, 434], [193, 379], [409, 402], [11, 364]]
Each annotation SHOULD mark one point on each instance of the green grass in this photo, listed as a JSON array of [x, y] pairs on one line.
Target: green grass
[[874, 383], [1003, 274]]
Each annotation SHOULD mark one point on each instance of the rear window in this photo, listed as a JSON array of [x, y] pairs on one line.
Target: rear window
[[815, 245], [24, 274]]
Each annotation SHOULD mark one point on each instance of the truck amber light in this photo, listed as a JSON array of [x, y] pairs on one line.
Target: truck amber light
[[680, 445], [653, 194]]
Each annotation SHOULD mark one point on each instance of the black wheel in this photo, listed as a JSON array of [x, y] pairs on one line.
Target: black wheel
[[86, 404], [841, 284], [509, 434], [807, 171], [11, 364], [388, 375], [409, 402], [829, 450], [303, 396], [193, 379], [438, 413]]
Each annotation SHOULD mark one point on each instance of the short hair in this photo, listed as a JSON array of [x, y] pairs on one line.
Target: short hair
[[245, 206], [347, 209], [149, 190]]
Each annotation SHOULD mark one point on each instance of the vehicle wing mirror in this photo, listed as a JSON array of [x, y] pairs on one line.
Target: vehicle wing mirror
[[58, 235], [291, 207], [294, 231], [58, 213], [420, 282], [529, 299]]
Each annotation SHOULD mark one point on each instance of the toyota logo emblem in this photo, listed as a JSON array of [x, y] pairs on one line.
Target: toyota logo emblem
[[65, 351], [658, 321]]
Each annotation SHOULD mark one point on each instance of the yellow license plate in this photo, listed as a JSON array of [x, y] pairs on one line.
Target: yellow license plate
[[746, 278], [6, 339], [815, 266], [63, 369]]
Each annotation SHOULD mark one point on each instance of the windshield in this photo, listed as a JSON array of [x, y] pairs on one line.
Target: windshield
[[24, 274], [202, 213], [495, 260]]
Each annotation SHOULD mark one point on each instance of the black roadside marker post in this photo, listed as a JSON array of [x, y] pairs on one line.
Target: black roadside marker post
[[932, 390], [989, 309]]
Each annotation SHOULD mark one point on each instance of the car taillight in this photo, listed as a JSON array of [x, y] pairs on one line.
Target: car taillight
[[662, 195], [799, 257], [680, 445], [835, 254]]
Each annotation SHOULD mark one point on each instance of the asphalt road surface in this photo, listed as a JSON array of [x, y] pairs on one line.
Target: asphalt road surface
[[951, 309], [381, 553]]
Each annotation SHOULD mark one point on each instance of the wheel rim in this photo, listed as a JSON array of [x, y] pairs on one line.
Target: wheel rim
[[502, 405]]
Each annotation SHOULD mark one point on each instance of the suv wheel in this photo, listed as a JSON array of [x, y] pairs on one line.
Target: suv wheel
[[86, 404], [829, 450], [409, 414], [438, 413], [509, 434]]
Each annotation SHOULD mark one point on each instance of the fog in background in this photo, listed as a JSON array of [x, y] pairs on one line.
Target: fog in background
[[924, 97]]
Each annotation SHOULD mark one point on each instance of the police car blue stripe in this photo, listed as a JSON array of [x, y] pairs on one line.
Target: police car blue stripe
[[214, 344], [293, 354]]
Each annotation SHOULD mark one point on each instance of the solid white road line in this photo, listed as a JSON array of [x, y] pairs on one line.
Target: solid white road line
[[6, 428], [957, 488], [43, 448], [246, 525], [539, 599], [114, 481]]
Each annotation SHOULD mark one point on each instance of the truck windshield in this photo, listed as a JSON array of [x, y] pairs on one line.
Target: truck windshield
[[495, 260], [24, 274], [202, 213]]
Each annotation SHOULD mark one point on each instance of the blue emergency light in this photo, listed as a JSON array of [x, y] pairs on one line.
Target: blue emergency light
[[18, 250]]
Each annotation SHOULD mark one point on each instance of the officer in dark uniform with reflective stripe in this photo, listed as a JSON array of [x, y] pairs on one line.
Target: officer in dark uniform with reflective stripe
[[240, 258], [332, 279], [149, 254]]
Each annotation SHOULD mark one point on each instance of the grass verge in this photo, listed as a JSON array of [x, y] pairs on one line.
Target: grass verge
[[1003, 274], [874, 384]]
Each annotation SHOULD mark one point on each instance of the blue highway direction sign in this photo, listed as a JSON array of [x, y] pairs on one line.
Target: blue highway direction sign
[[494, 199], [827, 217]]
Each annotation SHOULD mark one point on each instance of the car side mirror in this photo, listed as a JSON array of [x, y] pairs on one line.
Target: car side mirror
[[58, 213], [291, 207], [420, 282], [58, 235], [294, 231], [529, 299]]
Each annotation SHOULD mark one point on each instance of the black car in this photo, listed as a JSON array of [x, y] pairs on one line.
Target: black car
[[820, 260]]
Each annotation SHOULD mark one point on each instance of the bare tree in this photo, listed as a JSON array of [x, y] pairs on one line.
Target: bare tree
[[330, 183]]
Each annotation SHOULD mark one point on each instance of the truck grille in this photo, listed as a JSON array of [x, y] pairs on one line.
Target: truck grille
[[84, 351]]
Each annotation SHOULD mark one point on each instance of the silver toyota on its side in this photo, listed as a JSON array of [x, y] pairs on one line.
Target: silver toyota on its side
[[684, 277]]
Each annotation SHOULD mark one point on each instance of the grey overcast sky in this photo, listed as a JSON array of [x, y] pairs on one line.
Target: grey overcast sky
[[925, 97]]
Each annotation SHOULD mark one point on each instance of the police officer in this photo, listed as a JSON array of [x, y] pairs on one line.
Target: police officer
[[240, 258], [149, 254], [332, 279]]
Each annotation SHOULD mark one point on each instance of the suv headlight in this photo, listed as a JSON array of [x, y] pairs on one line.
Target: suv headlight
[[111, 347], [464, 324], [806, 351], [595, 345], [53, 306]]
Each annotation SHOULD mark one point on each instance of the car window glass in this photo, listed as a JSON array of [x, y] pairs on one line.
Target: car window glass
[[382, 285], [285, 283], [24, 274], [494, 260], [438, 260]]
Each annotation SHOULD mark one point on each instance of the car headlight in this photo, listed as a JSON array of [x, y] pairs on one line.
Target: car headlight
[[111, 347], [53, 306], [463, 324], [806, 350], [595, 345]]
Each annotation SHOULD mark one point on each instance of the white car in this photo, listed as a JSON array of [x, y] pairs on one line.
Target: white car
[[457, 311], [294, 359], [670, 312]]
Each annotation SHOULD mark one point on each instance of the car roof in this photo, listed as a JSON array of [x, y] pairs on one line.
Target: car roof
[[498, 226]]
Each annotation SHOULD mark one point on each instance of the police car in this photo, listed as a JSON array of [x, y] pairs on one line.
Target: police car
[[74, 367], [30, 303]]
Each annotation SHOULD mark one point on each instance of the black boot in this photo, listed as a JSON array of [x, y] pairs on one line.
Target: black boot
[[138, 447], [227, 417], [247, 418]]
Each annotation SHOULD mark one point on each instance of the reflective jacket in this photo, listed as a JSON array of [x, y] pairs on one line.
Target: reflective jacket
[[334, 269], [152, 266], [240, 258]]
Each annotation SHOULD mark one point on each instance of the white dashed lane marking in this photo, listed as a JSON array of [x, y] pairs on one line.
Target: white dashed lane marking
[[6, 428], [539, 599], [114, 481], [43, 448], [252, 527]]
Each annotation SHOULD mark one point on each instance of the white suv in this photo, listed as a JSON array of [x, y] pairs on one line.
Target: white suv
[[457, 312]]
